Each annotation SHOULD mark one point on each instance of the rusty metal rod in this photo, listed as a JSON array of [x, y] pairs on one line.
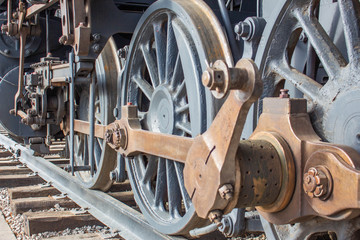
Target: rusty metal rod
[[19, 94], [37, 8]]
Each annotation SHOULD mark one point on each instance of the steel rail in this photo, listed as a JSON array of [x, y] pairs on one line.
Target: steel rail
[[113, 213]]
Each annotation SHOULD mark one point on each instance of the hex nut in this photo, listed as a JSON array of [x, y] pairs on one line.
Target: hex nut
[[226, 191], [215, 216], [315, 183]]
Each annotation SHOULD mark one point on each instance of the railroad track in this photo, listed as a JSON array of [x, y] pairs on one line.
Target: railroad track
[[40, 183]]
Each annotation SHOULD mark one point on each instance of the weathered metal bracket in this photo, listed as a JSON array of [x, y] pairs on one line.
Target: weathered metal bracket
[[323, 170]]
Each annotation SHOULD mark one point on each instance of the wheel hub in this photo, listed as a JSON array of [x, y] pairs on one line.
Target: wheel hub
[[344, 128], [161, 112]]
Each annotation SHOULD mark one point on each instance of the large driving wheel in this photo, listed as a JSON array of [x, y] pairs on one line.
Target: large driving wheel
[[168, 53], [107, 69], [330, 81]]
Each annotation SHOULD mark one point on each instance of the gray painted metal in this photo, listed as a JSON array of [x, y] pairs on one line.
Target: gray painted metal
[[118, 216]]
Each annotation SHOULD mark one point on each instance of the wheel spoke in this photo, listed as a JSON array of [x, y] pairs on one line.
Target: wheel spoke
[[100, 143], [179, 167], [326, 50], [182, 109], [180, 92], [160, 44], [350, 13], [171, 52], [174, 195], [145, 87], [98, 117], [160, 190], [184, 127], [302, 82], [177, 74], [151, 65], [80, 144], [150, 170], [97, 152]]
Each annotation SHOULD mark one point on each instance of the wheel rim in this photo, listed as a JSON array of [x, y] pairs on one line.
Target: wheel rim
[[336, 55], [104, 156], [165, 84]]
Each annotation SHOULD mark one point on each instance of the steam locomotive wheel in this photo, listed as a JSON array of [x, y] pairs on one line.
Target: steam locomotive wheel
[[330, 83], [167, 56], [104, 156]]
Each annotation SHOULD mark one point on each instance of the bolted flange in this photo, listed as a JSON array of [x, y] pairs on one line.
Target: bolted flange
[[116, 136]]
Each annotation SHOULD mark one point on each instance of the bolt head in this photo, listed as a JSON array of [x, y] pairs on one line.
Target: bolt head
[[215, 216], [315, 183], [96, 48], [284, 93], [243, 29], [108, 136], [226, 191], [96, 37], [206, 79]]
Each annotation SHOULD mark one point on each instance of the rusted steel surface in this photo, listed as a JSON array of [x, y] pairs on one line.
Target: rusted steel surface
[[339, 164], [260, 173], [37, 8], [84, 127]]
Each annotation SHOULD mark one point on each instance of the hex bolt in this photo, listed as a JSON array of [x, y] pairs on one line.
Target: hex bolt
[[206, 79], [243, 29], [215, 216], [315, 183], [213, 79], [284, 93], [109, 136], [119, 137], [96, 37], [226, 191], [96, 48]]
